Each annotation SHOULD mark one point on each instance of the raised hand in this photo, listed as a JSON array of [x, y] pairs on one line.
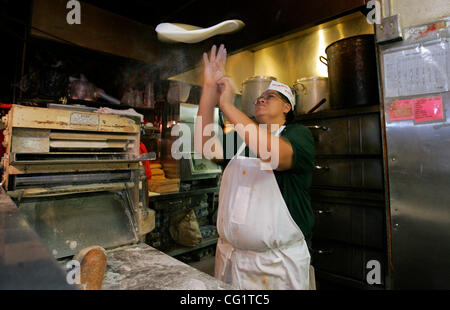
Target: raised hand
[[214, 66]]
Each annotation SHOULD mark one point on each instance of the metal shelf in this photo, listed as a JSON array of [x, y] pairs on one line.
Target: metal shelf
[[177, 250], [354, 111], [183, 194]]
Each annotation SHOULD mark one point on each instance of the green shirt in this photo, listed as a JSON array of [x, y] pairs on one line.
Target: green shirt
[[295, 182]]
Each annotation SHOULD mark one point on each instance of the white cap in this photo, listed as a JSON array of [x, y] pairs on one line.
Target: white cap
[[284, 89]]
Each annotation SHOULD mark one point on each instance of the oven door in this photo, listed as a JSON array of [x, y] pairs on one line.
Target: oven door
[[69, 222]]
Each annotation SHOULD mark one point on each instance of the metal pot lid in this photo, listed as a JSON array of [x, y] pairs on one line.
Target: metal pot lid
[[314, 78], [260, 78]]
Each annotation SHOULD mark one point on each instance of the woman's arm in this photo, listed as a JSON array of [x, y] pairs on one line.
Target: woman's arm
[[213, 71], [261, 141]]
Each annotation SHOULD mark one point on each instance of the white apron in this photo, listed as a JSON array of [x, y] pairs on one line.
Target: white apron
[[260, 246]]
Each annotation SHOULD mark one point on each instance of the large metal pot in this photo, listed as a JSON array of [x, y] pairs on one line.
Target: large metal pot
[[311, 95], [352, 71], [252, 88]]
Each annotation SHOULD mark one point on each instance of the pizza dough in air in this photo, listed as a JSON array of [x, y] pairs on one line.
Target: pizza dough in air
[[169, 32]]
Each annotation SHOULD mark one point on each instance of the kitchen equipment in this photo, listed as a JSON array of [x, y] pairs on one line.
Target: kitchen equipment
[[189, 169], [252, 88], [415, 78], [347, 195], [310, 95], [314, 108], [75, 176], [82, 89], [352, 71], [172, 32]]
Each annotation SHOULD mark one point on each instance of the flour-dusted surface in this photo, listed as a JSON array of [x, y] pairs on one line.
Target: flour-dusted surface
[[144, 268]]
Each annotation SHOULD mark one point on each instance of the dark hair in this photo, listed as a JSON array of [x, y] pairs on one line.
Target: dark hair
[[290, 115]]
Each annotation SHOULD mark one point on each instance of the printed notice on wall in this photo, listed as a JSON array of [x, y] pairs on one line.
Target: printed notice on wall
[[401, 110], [428, 109], [420, 110], [417, 70]]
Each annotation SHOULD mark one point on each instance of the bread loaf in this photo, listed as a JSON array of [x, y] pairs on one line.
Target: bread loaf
[[158, 177], [157, 171], [93, 262]]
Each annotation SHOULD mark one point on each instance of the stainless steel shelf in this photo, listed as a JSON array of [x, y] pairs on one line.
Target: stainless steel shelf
[[339, 113], [183, 194], [182, 250]]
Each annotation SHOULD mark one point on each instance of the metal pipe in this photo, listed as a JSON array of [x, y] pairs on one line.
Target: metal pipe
[[71, 178], [66, 190]]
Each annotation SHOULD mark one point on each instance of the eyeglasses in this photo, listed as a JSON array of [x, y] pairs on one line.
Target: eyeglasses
[[266, 97]]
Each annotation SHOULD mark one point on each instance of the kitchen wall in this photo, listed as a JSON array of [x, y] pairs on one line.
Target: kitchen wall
[[239, 67], [291, 57], [298, 56], [416, 12]]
